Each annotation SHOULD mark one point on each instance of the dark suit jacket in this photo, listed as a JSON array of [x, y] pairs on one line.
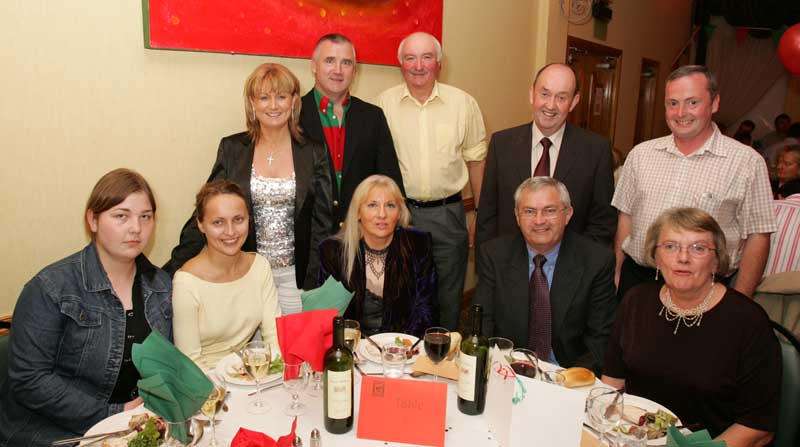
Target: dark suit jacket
[[312, 204], [582, 298], [409, 287], [583, 165], [368, 149]]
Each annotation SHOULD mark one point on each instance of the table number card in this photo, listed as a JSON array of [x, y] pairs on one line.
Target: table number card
[[400, 410], [549, 415], [499, 397]]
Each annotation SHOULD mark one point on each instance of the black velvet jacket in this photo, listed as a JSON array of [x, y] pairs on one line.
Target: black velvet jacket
[[409, 287], [312, 204]]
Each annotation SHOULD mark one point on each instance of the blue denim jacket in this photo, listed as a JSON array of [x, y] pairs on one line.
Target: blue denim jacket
[[67, 341]]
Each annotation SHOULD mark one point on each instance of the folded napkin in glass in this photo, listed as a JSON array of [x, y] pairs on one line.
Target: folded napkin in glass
[[249, 438], [331, 294], [306, 336], [172, 386], [697, 439]]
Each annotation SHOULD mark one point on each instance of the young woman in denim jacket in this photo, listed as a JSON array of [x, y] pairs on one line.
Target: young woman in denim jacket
[[75, 322]]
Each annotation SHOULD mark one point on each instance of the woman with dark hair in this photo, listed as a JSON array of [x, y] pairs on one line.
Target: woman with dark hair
[[703, 350], [223, 295], [286, 181], [76, 320], [388, 265]]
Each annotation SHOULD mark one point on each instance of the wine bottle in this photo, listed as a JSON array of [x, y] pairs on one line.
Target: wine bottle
[[473, 369], [338, 380]]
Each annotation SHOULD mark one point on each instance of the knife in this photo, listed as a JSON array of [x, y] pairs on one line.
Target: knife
[[375, 344], [268, 387]]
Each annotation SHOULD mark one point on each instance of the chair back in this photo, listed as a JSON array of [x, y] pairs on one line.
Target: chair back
[[789, 418]]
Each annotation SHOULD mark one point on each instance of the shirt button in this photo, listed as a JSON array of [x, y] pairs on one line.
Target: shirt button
[[335, 203], [341, 224], [82, 316]]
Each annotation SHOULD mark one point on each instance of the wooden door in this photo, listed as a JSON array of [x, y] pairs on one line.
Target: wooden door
[[597, 69], [645, 109]]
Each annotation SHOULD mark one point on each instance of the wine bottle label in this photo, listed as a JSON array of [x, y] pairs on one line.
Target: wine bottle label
[[340, 386], [466, 376]]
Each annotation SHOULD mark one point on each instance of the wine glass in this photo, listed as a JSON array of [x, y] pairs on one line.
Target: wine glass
[[352, 334], [604, 406], [524, 362], [212, 405], [257, 356], [294, 380], [504, 345], [437, 345], [314, 380]]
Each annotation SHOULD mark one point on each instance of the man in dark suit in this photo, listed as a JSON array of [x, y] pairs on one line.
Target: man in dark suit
[[545, 288], [580, 159], [355, 132]]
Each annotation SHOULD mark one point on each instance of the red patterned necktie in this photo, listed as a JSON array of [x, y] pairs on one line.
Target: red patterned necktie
[[539, 324], [543, 167]]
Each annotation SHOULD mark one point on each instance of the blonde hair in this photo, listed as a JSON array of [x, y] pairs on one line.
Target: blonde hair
[[351, 235], [268, 78], [687, 219]]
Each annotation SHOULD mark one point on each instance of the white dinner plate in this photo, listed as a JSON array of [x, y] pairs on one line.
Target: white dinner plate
[[231, 364], [646, 405], [368, 351], [115, 422]]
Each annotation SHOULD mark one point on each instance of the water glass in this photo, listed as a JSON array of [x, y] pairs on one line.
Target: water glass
[[555, 377], [604, 408], [295, 381], [504, 345], [393, 359], [628, 435]]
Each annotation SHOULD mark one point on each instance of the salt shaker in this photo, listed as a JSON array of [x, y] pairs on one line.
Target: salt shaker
[[297, 441], [316, 441]]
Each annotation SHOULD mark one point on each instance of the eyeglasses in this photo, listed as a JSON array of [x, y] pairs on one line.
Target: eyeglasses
[[548, 213], [696, 250]]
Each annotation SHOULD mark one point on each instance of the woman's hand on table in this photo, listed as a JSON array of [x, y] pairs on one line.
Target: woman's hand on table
[[133, 404]]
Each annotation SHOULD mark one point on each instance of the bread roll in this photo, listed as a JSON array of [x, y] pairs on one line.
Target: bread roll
[[577, 376]]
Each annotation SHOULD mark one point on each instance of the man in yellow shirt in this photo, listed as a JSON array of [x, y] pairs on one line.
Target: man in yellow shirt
[[439, 137]]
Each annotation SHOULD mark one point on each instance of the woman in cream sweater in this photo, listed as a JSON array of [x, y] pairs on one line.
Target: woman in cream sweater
[[223, 295]]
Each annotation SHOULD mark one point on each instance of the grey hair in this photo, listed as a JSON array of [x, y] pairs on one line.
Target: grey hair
[[534, 184], [687, 219], [687, 70], [333, 38], [435, 42]]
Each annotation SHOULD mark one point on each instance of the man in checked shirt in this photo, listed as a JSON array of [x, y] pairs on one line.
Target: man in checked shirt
[[700, 167]]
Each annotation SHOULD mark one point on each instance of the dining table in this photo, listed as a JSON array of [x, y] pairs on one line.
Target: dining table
[[460, 429]]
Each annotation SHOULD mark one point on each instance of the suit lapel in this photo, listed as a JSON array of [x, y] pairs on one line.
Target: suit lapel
[[567, 155], [352, 119], [303, 160], [522, 154], [566, 277], [516, 279]]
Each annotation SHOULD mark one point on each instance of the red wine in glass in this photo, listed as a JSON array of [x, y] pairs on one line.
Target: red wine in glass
[[437, 345], [524, 369]]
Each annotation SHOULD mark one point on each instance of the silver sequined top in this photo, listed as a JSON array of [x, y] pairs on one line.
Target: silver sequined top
[[273, 206]]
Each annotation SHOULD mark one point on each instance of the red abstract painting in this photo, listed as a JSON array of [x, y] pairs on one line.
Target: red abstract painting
[[288, 27]]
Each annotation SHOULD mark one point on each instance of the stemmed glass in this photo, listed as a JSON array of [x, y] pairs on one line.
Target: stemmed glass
[[314, 379], [437, 345], [212, 405], [257, 356], [604, 407], [294, 380]]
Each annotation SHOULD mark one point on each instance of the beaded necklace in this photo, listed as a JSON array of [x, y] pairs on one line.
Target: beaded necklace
[[689, 317]]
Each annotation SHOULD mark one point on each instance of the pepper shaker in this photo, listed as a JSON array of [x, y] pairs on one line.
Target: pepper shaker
[[316, 441], [297, 441]]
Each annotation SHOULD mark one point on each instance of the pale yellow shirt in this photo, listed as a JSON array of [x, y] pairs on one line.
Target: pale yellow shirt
[[434, 140], [211, 320], [555, 147]]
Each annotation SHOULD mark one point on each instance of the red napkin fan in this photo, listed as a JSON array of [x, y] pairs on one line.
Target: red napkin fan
[[250, 438], [306, 336]]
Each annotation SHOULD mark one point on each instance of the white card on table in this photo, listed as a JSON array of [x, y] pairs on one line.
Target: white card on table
[[499, 393], [549, 415]]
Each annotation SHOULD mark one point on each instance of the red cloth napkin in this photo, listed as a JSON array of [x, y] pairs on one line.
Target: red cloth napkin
[[249, 438], [306, 336]]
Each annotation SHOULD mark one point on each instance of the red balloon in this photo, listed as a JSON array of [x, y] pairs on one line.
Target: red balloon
[[789, 49]]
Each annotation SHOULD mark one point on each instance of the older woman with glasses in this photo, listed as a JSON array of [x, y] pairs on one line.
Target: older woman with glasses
[[701, 349]]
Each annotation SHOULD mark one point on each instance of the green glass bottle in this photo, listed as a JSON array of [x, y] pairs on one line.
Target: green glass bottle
[[473, 369], [338, 379]]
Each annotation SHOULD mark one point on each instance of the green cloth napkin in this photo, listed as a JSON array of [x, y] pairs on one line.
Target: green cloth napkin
[[172, 386], [330, 295], [697, 439]]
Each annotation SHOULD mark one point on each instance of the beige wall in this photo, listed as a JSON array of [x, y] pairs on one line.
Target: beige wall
[[655, 29], [81, 96]]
